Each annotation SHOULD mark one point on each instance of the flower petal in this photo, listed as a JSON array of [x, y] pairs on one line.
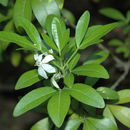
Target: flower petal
[[54, 82], [49, 68], [35, 56], [47, 59], [42, 72]]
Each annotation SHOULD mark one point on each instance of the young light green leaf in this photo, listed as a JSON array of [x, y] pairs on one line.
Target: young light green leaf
[[81, 27], [124, 96], [68, 16], [43, 8], [27, 79], [49, 41], [69, 80], [94, 34], [107, 113], [87, 95], [74, 61], [33, 99], [112, 13], [97, 57], [108, 93], [15, 58], [15, 38], [92, 70], [60, 3], [22, 8], [100, 124], [73, 124], [88, 126], [30, 30], [58, 107], [43, 124], [121, 113]]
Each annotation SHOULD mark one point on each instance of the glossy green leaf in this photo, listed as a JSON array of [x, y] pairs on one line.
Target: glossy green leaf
[[74, 61], [112, 13], [87, 95], [107, 113], [88, 126], [121, 113], [30, 30], [43, 124], [58, 107], [94, 34], [100, 124], [15, 58], [91, 81], [49, 41], [27, 79], [33, 99], [92, 70], [81, 27], [108, 93], [60, 3], [124, 96], [22, 8], [4, 2], [15, 38], [73, 124], [97, 57], [43, 8], [69, 80]]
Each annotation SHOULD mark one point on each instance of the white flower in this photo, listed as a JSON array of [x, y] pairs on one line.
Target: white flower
[[43, 66], [54, 78]]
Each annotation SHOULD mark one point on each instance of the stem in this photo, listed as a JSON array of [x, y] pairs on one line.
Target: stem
[[123, 76], [70, 58]]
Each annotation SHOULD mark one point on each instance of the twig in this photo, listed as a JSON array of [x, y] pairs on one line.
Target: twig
[[123, 76]]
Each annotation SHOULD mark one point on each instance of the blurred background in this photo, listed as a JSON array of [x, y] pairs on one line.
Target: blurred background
[[13, 63]]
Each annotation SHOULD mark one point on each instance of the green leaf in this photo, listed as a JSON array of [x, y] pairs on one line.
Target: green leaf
[[112, 13], [92, 70], [60, 3], [43, 124], [58, 107], [27, 79], [124, 96], [33, 99], [22, 8], [97, 57], [108, 93], [121, 113], [87, 95], [49, 41], [4, 2], [30, 30], [68, 16], [94, 34], [81, 27], [115, 42], [69, 80], [91, 81], [74, 61], [15, 38], [128, 15], [99, 124], [107, 113], [59, 33], [43, 8], [15, 58], [73, 124]]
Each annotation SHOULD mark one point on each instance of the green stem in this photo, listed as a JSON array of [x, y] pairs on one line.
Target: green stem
[[70, 57]]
